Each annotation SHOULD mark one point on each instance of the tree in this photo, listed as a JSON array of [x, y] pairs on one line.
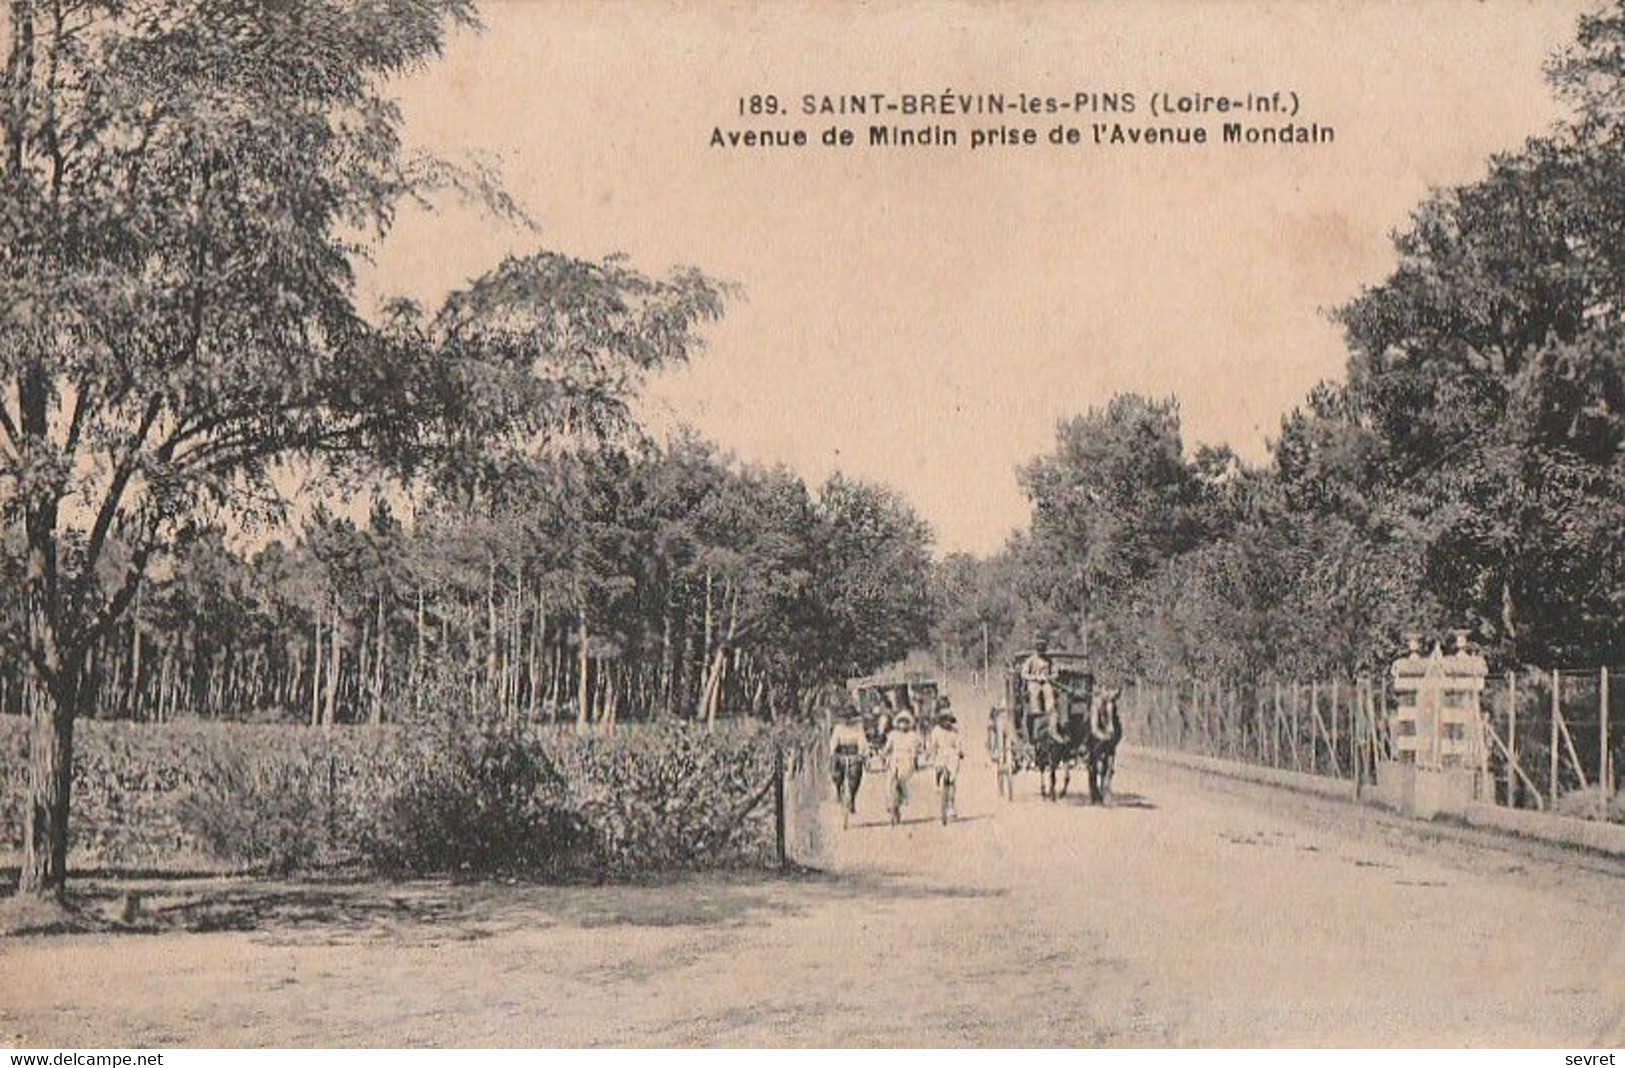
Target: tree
[[178, 178], [875, 574], [976, 605], [1115, 497], [1487, 374], [186, 184], [1470, 470]]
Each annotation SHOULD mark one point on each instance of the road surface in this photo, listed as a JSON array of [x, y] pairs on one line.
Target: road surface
[[1195, 912]]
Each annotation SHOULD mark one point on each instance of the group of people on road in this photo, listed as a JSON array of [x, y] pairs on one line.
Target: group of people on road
[[1053, 697], [905, 751]]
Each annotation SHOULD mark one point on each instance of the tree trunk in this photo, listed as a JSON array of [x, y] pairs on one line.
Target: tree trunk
[[555, 680], [492, 678], [335, 662], [705, 640], [538, 653], [583, 688], [316, 673], [713, 689], [377, 716], [668, 664], [50, 786], [165, 686], [417, 646]]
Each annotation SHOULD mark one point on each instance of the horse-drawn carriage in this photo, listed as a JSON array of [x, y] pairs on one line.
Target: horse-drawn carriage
[[881, 697], [1052, 718]]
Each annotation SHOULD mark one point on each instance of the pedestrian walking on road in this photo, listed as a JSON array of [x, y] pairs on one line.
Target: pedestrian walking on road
[[847, 747], [902, 758], [947, 754]]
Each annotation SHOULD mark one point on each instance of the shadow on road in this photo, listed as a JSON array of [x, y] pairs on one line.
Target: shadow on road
[[915, 821], [1131, 801], [439, 912], [1119, 800]]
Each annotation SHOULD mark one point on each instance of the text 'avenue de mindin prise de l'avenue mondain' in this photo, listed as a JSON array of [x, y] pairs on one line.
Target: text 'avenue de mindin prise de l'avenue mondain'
[[981, 138]]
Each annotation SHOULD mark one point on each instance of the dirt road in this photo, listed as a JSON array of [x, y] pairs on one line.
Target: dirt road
[[1192, 913]]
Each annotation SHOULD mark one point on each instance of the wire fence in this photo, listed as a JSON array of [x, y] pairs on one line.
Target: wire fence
[[1553, 739]]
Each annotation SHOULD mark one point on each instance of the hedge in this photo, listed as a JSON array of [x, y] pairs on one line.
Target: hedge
[[442, 798]]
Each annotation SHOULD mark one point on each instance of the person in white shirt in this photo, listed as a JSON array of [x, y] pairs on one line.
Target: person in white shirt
[[947, 754], [1038, 672], [902, 757]]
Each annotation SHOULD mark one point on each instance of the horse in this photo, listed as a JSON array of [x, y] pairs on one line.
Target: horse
[[1053, 755], [1091, 737], [1105, 731]]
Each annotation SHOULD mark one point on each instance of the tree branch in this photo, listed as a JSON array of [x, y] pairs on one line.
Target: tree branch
[[76, 424], [117, 604], [10, 427], [120, 482]]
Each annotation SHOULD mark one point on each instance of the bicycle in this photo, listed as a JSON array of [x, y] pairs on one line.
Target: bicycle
[[898, 797], [849, 777], [945, 793]]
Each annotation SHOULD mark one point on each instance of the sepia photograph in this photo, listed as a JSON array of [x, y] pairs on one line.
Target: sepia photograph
[[878, 524]]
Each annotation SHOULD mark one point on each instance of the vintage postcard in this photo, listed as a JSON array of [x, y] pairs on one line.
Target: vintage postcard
[[957, 524]]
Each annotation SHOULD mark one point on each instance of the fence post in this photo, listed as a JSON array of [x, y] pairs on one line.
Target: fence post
[[1200, 715], [1210, 724], [781, 847], [1368, 720], [1275, 726], [1512, 739], [1336, 764], [1356, 735], [332, 798], [1378, 709], [1292, 726], [1315, 731], [1258, 723], [1552, 789], [1605, 773]]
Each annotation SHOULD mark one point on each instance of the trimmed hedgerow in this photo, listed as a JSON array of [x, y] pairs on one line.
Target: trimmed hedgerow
[[450, 796]]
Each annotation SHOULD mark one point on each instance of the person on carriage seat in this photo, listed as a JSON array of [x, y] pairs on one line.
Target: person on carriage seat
[[1038, 672]]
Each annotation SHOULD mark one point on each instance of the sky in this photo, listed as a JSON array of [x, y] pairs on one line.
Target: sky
[[925, 317]]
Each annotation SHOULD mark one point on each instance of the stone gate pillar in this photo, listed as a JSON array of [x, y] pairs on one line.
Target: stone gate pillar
[[1439, 757]]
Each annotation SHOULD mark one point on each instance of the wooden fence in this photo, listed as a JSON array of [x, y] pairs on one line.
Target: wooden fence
[[1554, 739]]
